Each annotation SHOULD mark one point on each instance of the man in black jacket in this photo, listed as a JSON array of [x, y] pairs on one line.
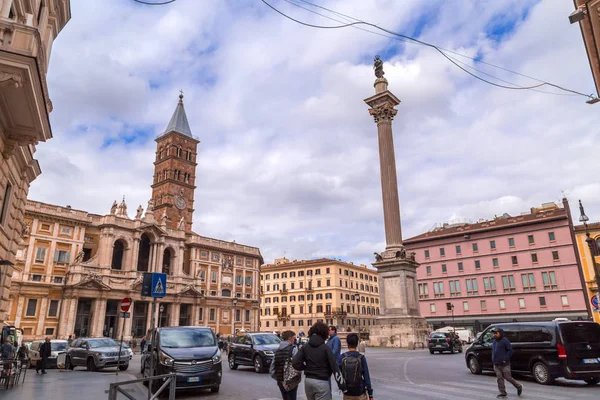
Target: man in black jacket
[[501, 353], [45, 353], [318, 363]]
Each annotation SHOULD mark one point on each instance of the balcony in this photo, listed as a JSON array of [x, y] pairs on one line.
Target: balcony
[[283, 291], [309, 289], [337, 313]]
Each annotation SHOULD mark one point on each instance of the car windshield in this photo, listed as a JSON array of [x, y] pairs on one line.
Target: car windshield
[[265, 339], [580, 333], [96, 343], [60, 346], [438, 335], [182, 338]]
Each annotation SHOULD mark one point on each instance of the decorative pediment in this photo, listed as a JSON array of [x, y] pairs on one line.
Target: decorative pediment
[[190, 291], [92, 283]]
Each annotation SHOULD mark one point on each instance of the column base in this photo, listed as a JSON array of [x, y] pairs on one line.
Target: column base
[[399, 331]]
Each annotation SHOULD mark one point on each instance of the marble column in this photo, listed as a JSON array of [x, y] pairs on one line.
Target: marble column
[[20, 305], [98, 317], [174, 316], [133, 257], [42, 317], [149, 316]]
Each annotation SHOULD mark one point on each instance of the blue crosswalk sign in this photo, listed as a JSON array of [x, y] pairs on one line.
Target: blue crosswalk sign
[[159, 285]]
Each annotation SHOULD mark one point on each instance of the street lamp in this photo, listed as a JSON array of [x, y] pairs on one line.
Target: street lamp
[[357, 298], [235, 301], [161, 309], [592, 245]]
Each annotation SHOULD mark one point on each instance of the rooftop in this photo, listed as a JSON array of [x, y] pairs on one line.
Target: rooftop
[[286, 263], [179, 122]]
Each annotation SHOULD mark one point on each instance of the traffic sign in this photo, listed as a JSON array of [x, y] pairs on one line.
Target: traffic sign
[[125, 304], [594, 301], [159, 284], [125, 315]]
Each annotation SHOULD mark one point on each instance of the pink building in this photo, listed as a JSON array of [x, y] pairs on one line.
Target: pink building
[[521, 268]]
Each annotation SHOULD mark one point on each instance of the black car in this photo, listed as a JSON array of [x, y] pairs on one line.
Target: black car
[[254, 350], [546, 350], [444, 341], [190, 351]]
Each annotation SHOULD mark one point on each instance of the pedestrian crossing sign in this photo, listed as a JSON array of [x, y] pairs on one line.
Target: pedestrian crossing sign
[[159, 285]]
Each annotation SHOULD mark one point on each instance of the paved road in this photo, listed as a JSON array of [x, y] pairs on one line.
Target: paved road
[[397, 374]]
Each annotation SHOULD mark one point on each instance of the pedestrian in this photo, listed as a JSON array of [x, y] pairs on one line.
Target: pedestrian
[[7, 350], [355, 371], [501, 353], [70, 340], [362, 346], [334, 342], [318, 363], [133, 344], [143, 345], [45, 353], [287, 377]]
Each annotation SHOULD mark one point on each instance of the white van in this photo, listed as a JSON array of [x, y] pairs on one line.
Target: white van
[[465, 335], [57, 346]]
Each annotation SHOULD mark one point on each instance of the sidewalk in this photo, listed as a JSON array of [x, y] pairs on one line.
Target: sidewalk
[[78, 384]]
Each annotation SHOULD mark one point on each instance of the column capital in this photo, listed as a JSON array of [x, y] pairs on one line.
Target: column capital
[[384, 113]]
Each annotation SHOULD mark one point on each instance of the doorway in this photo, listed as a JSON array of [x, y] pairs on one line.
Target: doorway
[[83, 318], [110, 320]]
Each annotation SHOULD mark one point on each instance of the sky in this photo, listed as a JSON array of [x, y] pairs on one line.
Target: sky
[[288, 159]]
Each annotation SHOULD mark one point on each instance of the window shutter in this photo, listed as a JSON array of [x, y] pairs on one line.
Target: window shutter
[[56, 256]]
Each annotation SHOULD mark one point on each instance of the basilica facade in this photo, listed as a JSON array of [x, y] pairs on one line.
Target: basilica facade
[[74, 267]]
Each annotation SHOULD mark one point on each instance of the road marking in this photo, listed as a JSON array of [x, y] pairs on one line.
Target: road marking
[[406, 368], [536, 391]]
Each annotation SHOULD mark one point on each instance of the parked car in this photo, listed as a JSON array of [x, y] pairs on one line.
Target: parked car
[[254, 350], [56, 347], [129, 351], [465, 335], [444, 341], [546, 350], [191, 352], [96, 353]]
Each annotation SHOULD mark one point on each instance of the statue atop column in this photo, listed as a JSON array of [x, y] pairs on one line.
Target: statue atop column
[[378, 67]]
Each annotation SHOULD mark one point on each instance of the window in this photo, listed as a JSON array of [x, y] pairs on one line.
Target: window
[[492, 244], [213, 276], [508, 283], [460, 267], [300, 273], [458, 250], [31, 308], [211, 315], [549, 280], [471, 286], [58, 279], [328, 282], [292, 274], [444, 269], [475, 248], [247, 316], [432, 307], [426, 253], [427, 268], [238, 315], [495, 262], [442, 252], [62, 256], [534, 258], [542, 301], [328, 296], [201, 314], [511, 242], [216, 257], [489, 285], [477, 265], [502, 304], [454, 288], [45, 228], [40, 255], [514, 260], [49, 331], [5, 203], [551, 236], [438, 289], [267, 277], [53, 308], [275, 276], [521, 302], [483, 305], [466, 305], [564, 300], [36, 278], [66, 230], [530, 239], [423, 291], [555, 255], [528, 282]]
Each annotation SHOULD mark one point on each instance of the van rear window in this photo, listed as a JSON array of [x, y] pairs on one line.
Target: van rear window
[[580, 333]]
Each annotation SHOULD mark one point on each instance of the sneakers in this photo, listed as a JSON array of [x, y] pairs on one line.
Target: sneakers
[[501, 396], [520, 390]]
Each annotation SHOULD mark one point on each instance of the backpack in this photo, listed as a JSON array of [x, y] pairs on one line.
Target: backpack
[[352, 371]]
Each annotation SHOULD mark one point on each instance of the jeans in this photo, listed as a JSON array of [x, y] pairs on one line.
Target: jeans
[[317, 389], [290, 395], [42, 365], [503, 373]]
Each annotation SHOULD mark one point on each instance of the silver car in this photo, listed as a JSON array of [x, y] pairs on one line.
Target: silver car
[[96, 353]]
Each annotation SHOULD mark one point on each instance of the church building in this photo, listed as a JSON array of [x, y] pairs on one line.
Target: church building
[[74, 267]]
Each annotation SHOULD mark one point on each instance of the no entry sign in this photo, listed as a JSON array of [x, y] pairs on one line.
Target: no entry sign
[[125, 304]]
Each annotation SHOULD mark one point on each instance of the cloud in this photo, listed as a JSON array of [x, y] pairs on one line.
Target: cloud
[[288, 159]]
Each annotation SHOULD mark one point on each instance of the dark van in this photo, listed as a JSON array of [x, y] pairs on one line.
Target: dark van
[[546, 350], [191, 352]]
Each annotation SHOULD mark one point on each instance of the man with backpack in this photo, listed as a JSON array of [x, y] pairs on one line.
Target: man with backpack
[[355, 372], [281, 368]]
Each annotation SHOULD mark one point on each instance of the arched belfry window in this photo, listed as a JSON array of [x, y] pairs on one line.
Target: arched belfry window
[[179, 152], [117, 257], [144, 253]]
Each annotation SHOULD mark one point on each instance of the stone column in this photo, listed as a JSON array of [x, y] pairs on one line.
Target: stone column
[[64, 316], [133, 257], [43, 310], [149, 316], [70, 317], [99, 316], [174, 317], [20, 305]]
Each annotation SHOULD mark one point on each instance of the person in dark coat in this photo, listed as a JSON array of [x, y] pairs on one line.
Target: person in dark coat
[[501, 353], [45, 353]]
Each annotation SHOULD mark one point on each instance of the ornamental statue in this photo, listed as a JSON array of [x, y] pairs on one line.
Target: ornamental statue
[[378, 67]]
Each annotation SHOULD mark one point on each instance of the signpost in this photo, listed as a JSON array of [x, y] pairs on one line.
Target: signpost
[[125, 304], [594, 301], [154, 284]]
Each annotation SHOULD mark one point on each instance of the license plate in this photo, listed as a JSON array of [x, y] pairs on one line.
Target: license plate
[[193, 379], [590, 361]]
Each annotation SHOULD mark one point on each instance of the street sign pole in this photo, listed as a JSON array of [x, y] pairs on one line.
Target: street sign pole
[[125, 304], [153, 325]]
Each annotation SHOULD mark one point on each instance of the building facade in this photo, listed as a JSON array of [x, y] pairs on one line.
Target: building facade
[[296, 294], [74, 268], [27, 31], [522, 268], [590, 31], [587, 265]]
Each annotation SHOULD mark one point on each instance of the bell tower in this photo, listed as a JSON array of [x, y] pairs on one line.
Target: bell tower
[[175, 173]]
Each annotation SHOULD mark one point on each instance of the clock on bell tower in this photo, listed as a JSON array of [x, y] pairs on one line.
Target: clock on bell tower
[[175, 172]]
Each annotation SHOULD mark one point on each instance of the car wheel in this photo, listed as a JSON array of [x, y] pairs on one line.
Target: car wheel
[[474, 366], [123, 367], [232, 364], [591, 381], [431, 352], [69, 364], [214, 389], [91, 365], [258, 364], [541, 373]]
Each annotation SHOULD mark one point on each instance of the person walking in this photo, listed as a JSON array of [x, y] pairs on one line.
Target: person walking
[[45, 353], [362, 346], [501, 353], [143, 345], [318, 363], [287, 380], [70, 340], [355, 371], [334, 342]]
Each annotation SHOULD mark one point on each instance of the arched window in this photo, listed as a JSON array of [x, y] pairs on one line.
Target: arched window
[[226, 293], [179, 152], [176, 176], [117, 258], [159, 154], [144, 253], [167, 261], [364, 310], [597, 246]]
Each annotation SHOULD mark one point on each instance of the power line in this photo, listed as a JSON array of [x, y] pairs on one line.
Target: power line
[[359, 22]]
